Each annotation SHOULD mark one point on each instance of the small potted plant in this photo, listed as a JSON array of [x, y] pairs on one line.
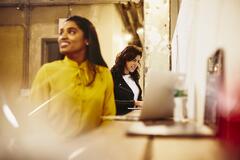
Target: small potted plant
[[180, 100], [180, 93]]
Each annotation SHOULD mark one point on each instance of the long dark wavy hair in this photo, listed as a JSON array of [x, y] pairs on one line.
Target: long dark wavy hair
[[128, 54], [93, 53], [93, 49]]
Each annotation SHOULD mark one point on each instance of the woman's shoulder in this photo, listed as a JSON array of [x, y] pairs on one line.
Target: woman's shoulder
[[104, 73], [50, 66], [103, 70], [115, 72]]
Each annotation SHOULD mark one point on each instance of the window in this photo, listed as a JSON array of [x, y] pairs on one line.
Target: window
[[50, 50]]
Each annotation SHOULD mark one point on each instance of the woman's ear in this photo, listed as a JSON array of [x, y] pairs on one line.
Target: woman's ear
[[86, 42]]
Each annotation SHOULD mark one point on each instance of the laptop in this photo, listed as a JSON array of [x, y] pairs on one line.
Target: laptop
[[159, 90], [214, 86]]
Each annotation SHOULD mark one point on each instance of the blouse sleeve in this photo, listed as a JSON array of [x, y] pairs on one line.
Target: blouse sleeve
[[125, 102], [118, 102], [140, 92], [109, 104], [40, 89]]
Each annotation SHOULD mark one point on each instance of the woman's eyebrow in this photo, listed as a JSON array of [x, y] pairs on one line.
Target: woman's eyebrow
[[61, 29], [72, 28]]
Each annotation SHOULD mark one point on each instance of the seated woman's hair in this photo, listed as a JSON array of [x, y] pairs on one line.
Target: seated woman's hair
[[127, 54]]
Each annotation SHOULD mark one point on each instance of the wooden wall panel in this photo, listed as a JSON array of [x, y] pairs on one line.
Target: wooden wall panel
[[11, 62]]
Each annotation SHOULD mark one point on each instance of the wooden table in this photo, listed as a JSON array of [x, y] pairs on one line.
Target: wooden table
[[110, 142]]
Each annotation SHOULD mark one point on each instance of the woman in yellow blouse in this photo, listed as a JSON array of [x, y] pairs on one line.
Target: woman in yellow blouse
[[72, 94]]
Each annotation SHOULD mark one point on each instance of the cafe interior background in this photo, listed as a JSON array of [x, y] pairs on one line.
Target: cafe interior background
[[176, 35]]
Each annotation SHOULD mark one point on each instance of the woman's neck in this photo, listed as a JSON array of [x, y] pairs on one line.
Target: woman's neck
[[126, 71], [77, 57]]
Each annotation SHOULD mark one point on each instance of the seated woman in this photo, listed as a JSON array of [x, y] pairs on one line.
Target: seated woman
[[128, 93], [72, 94]]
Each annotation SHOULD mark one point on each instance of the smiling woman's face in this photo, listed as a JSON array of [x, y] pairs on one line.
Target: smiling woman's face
[[131, 66], [71, 39]]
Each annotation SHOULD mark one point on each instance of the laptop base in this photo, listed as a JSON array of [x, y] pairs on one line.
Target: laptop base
[[170, 129]]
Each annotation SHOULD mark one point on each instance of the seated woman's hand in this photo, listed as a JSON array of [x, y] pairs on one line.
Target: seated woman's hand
[[139, 104]]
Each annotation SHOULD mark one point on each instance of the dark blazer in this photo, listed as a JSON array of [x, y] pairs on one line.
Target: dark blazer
[[124, 96]]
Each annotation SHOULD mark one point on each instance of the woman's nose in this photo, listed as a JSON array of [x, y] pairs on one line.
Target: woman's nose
[[136, 63], [63, 36]]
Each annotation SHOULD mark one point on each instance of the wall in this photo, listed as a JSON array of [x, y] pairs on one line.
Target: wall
[[11, 63], [11, 53], [156, 34], [203, 26], [173, 11]]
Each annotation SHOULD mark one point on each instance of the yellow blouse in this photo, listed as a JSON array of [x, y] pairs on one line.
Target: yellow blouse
[[71, 107]]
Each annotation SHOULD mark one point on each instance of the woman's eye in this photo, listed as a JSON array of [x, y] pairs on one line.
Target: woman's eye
[[61, 32], [72, 32]]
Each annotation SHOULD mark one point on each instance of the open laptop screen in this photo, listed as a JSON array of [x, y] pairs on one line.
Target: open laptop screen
[[214, 87], [159, 95]]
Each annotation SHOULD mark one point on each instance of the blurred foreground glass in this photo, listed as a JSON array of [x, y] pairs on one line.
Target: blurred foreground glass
[[229, 123]]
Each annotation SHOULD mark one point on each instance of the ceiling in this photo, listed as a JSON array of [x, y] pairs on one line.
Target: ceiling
[[59, 2], [132, 16], [131, 11]]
